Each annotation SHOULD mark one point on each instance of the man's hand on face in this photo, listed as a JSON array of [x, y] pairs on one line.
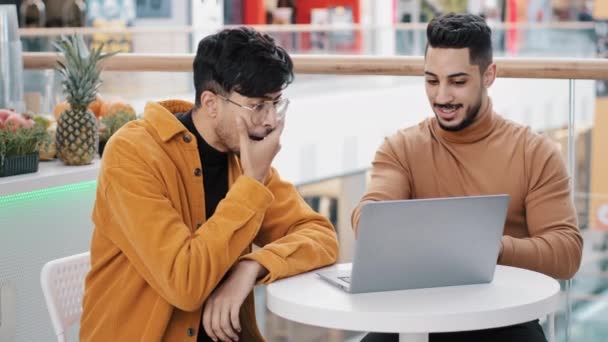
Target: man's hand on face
[[221, 310], [257, 156]]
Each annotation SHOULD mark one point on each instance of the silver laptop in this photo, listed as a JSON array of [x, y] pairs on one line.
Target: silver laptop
[[409, 244]]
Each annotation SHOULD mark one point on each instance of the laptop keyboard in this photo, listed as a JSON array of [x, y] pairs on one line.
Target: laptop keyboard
[[345, 279]]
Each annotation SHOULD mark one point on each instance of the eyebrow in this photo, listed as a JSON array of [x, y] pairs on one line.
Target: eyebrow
[[270, 98], [264, 99], [458, 74]]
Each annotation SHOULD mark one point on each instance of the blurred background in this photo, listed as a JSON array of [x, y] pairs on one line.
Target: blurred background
[[336, 122]]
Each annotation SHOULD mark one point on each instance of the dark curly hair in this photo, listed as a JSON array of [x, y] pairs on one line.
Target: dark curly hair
[[241, 60]]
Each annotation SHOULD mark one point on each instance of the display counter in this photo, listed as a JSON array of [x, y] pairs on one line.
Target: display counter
[[43, 216]]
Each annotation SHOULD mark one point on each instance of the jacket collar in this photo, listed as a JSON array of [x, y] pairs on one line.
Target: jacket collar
[[161, 116]]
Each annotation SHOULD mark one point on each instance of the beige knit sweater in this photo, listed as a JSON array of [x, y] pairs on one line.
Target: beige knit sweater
[[492, 156]]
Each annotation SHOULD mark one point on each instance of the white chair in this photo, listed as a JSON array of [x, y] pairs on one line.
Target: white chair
[[63, 287]]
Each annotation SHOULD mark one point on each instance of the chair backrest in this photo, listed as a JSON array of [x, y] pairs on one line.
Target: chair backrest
[[63, 287]]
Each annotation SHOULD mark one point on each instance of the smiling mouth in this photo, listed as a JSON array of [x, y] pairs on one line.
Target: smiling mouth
[[448, 107], [448, 111]]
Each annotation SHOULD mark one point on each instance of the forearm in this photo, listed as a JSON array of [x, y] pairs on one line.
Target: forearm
[[300, 251], [554, 246], [389, 180], [185, 267], [293, 238], [251, 267], [556, 253]]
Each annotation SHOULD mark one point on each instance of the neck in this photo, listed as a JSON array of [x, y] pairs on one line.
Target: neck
[[204, 125], [485, 109]]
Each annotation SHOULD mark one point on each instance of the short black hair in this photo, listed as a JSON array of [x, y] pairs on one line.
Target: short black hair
[[459, 31], [241, 60]]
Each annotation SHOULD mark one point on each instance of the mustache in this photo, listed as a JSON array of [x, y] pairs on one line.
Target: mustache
[[448, 105]]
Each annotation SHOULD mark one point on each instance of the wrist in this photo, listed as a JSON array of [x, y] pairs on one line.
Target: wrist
[[502, 246], [252, 268], [256, 177]]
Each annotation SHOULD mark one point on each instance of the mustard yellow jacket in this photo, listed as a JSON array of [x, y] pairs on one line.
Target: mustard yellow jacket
[[155, 257]]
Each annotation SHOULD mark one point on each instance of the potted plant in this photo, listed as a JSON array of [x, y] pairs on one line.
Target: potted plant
[[110, 124], [46, 149], [20, 137]]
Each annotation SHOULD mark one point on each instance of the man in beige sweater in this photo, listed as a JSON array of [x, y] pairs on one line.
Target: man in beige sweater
[[467, 149]]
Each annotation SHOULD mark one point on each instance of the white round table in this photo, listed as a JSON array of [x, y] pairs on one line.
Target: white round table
[[514, 296]]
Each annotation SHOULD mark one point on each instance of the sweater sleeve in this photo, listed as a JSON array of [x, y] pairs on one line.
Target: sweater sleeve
[[390, 177], [554, 245]]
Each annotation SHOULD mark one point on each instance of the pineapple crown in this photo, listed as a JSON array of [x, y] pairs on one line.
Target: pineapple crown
[[79, 70]]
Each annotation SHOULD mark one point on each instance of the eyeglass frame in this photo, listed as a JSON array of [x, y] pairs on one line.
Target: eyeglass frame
[[280, 114]]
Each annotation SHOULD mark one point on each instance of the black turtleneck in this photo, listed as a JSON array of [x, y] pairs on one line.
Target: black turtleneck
[[215, 179], [214, 164]]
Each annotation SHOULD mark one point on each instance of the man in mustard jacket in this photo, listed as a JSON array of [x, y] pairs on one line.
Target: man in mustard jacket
[[184, 193]]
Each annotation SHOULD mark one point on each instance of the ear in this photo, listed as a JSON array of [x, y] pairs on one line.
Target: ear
[[489, 75], [209, 101]]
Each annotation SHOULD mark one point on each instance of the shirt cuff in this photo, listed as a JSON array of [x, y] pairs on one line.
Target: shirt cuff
[[251, 193], [276, 266]]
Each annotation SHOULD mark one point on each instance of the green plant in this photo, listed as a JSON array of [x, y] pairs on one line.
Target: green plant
[[40, 120], [110, 124], [21, 141]]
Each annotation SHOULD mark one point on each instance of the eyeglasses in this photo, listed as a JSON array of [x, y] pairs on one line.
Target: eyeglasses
[[259, 111]]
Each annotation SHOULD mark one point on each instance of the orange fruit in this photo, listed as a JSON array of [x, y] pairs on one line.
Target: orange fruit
[[60, 108], [116, 106], [105, 108], [95, 106]]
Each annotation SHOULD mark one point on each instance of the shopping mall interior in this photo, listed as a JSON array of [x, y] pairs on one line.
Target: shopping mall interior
[[358, 78]]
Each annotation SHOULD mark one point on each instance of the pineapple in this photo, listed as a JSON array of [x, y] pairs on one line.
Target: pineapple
[[77, 136]]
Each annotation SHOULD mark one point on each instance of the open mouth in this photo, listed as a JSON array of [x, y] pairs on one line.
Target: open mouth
[[448, 111]]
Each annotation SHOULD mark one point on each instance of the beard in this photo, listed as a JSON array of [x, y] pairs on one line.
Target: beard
[[469, 118], [229, 137]]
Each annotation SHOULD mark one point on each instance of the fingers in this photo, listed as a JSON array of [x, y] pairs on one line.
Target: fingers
[[226, 323], [207, 320], [280, 126], [221, 321], [274, 138], [241, 127], [234, 318], [216, 325], [278, 130]]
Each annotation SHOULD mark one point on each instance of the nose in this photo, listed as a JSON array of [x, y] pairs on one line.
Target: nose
[[443, 94], [270, 118]]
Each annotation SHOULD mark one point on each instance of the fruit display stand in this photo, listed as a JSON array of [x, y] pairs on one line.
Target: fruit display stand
[[47, 214], [43, 216]]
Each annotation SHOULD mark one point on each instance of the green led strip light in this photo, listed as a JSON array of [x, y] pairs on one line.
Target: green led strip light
[[43, 193]]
